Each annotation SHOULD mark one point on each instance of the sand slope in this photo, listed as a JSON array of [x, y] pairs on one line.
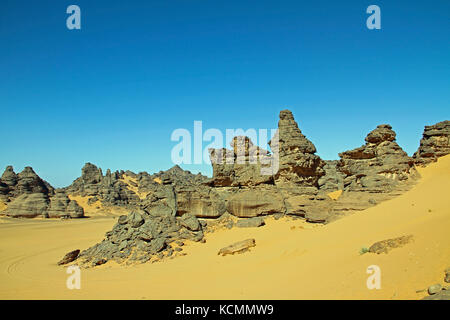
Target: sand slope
[[291, 260]]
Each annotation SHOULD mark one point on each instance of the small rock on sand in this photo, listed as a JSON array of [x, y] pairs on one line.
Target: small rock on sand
[[69, 257], [386, 245], [238, 247], [250, 222], [435, 288]]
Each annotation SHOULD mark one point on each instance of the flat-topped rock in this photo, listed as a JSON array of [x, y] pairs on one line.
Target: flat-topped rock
[[377, 166]]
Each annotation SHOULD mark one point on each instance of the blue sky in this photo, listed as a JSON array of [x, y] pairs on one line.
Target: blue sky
[[113, 92]]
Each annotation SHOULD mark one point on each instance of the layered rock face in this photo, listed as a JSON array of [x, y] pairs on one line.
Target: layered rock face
[[25, 194], [13, 185], [435, 143], [28, 196], [28, 205], [61, 206], [252, 202], [378, 166], [333, 179]]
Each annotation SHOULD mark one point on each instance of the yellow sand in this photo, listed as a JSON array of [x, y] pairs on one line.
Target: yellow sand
[[131, 185], [291, 260], [3, 206], [335, 194], [96, 209]]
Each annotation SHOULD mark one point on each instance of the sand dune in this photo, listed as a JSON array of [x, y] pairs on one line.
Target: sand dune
[[291, 260]]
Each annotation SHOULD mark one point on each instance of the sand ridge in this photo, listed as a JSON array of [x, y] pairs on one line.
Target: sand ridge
[[96, 208], [132, 186], [291, 260]]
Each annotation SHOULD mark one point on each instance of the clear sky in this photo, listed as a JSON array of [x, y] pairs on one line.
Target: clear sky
[[113, 92]]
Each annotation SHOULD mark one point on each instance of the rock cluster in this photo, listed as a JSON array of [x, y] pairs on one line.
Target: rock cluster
[[61, 206], [378, 166], [28, 196], [243, 165], [438, 291], [434, 144], [13, 185], [262, 183], [248, 183], [143, 236], [333, 179], [299, 166], [108, 188]]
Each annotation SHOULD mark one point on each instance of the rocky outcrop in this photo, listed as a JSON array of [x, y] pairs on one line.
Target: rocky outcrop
[[13, 185], [333, 179], [143, 236], [29, 196], [256, 202], [8, 181], [298, 165], [176, 191], [378, 166], [435, 143], [29, 205], [244, 165], [248, 183], [200, 200], [109, 188], [61, 206]]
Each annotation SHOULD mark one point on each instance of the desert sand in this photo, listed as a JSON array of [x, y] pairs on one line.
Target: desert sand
[[291, 260]]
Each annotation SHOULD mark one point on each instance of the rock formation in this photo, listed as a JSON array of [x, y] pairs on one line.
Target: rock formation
[[378, 166], [333, 179], [299, 167], [28, 205], [25, 194], [13, 185], [142, 236], [166, 208], [434, 144], [28, 196], [61, 206], [244, 165], [109, 189]]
